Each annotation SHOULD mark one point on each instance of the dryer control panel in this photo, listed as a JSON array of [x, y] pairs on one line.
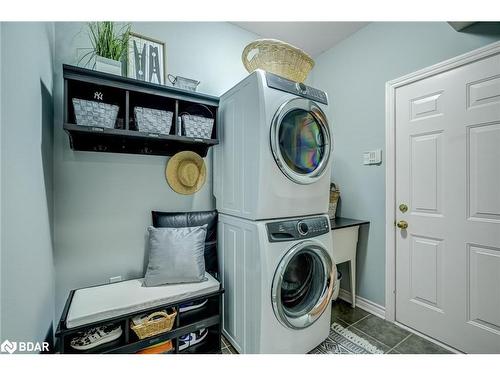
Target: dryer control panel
[[297, 229], [279, 83]]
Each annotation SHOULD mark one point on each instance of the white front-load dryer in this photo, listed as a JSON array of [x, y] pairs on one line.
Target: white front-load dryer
[[278, 278], [274, 156]]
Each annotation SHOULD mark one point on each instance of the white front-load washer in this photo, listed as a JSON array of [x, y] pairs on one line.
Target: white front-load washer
[[278, 277], [274, 156]]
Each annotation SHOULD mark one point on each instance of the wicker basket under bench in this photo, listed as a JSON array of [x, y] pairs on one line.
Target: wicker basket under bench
[[209, 316]]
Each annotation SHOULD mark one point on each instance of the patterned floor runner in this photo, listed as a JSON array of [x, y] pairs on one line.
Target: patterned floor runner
[[343, 341]]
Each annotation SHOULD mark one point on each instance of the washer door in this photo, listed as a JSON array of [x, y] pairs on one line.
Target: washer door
[[303, 285], [300, 140]]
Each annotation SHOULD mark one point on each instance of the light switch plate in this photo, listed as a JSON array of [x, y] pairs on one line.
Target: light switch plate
[[372, 157]]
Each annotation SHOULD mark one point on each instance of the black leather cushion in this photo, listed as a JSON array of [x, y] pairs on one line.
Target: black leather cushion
[[194, 219]]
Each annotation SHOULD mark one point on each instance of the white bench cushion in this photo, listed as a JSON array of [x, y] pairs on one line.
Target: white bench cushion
[[90, 305]]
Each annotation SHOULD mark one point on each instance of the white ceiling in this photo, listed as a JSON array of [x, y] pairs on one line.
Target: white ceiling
[[312, 37]]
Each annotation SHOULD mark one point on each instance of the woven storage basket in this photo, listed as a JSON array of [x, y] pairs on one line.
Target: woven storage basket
[[152, 327], [150, 120], [334, 199], [98, 114], [197, 126], [277, 57]]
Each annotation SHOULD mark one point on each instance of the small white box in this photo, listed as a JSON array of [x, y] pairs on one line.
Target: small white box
[[372, 157], [115, 279]]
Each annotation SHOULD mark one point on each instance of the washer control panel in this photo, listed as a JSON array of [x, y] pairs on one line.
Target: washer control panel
[[279, 83], [297, 229]]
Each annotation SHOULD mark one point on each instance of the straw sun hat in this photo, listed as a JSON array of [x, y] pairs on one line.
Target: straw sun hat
[[186, 172]]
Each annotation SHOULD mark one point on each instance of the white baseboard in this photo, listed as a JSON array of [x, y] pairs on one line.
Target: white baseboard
[[363, 303]]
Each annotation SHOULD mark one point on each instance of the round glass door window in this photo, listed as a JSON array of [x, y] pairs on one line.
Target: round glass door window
[[300, 141], [303, 285]]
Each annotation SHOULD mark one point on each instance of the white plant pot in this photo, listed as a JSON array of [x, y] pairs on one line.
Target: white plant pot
[[105, 65]]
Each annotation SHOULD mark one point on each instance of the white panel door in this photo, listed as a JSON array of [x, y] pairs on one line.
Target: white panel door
[[448, 175]]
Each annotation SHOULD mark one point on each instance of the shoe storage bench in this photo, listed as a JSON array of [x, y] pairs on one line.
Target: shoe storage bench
[[208, 316], [127, 94]]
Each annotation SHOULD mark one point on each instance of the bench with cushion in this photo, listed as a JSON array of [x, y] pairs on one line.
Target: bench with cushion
[[104, 302], [119, 302]]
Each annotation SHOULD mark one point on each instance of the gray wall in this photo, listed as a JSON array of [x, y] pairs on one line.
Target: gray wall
[[103, 202], [354, 74], [1, 179], [27, 270]]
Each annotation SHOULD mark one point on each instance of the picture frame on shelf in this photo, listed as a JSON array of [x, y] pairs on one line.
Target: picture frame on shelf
[[146, 59]]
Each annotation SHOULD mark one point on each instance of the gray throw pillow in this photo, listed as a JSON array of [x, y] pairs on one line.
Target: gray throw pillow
[[176, 255]]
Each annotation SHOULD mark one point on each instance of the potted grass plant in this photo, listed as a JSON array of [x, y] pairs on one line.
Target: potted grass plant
[[109, 46]]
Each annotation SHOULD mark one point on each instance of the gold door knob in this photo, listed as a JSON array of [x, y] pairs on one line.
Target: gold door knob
[[401, 224]]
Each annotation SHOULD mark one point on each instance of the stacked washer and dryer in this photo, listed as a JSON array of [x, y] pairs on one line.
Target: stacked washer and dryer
[[271, 183]]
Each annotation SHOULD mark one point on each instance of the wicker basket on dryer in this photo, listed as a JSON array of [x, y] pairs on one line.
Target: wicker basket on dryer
[[277, 57], [334, 199]]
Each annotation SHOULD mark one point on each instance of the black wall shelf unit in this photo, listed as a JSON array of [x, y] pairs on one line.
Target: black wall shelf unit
[[127, 93], [209, 316]]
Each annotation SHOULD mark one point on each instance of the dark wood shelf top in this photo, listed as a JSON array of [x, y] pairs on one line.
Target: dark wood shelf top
[[94, 76], [343, 222], [138, 135]]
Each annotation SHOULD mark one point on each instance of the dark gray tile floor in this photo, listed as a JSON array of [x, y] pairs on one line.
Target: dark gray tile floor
[[386, 336], [381, 330], [418, 345]]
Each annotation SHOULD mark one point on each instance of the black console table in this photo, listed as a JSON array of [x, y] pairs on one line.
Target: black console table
[[345, 241], [343, 222]]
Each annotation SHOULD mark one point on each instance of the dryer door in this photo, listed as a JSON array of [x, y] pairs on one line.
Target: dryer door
[[303, 285], [300, 140]]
